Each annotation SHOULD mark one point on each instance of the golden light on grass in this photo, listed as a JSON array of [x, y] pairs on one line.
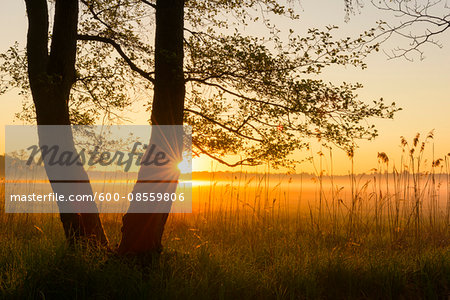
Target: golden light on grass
[[386, 226]]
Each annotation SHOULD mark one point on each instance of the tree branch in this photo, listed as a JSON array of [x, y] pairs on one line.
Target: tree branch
[[244, 162], [237, 94], [118, 48], [149, 3], [96, 15], [236, 131]]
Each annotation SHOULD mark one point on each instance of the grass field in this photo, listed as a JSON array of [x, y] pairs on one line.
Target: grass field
[[380, 237]]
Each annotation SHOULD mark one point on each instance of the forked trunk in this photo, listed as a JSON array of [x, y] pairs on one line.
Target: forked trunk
[[51, 77]]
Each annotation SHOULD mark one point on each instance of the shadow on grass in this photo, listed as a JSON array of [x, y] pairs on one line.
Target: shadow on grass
[[63, 273]]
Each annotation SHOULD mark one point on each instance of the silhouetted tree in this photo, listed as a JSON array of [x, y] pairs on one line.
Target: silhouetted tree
[[51, 76], [242, 94]]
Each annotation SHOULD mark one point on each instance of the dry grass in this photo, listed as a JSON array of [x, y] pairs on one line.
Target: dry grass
[[378, 236]]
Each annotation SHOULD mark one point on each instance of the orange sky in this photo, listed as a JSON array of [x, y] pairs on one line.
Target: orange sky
[[421, 88]]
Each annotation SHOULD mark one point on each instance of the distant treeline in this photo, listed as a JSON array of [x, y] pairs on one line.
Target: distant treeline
[[226, 175], [220, 175], [2, 166]]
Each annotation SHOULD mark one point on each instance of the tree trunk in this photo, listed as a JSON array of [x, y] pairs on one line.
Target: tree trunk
[[142, 232], [51, 78]]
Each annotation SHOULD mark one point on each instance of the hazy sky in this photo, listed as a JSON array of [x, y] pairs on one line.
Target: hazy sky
[[421, 88]]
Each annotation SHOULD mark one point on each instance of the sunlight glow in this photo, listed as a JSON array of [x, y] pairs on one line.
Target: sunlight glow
[[184, 166]]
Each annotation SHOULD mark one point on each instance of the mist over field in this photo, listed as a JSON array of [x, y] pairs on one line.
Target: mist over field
[[263, 149]]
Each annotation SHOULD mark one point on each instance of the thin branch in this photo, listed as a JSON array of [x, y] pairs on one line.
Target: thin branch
[[236, 131], [149, 3], [244, 162], [415, 14], [133, 66], [96, 15], [237, 94]]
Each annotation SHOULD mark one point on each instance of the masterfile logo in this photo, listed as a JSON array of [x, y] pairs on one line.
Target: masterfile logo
[[98, 169]]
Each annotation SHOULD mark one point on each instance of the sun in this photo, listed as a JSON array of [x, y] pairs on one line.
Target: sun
[[184, 166]]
